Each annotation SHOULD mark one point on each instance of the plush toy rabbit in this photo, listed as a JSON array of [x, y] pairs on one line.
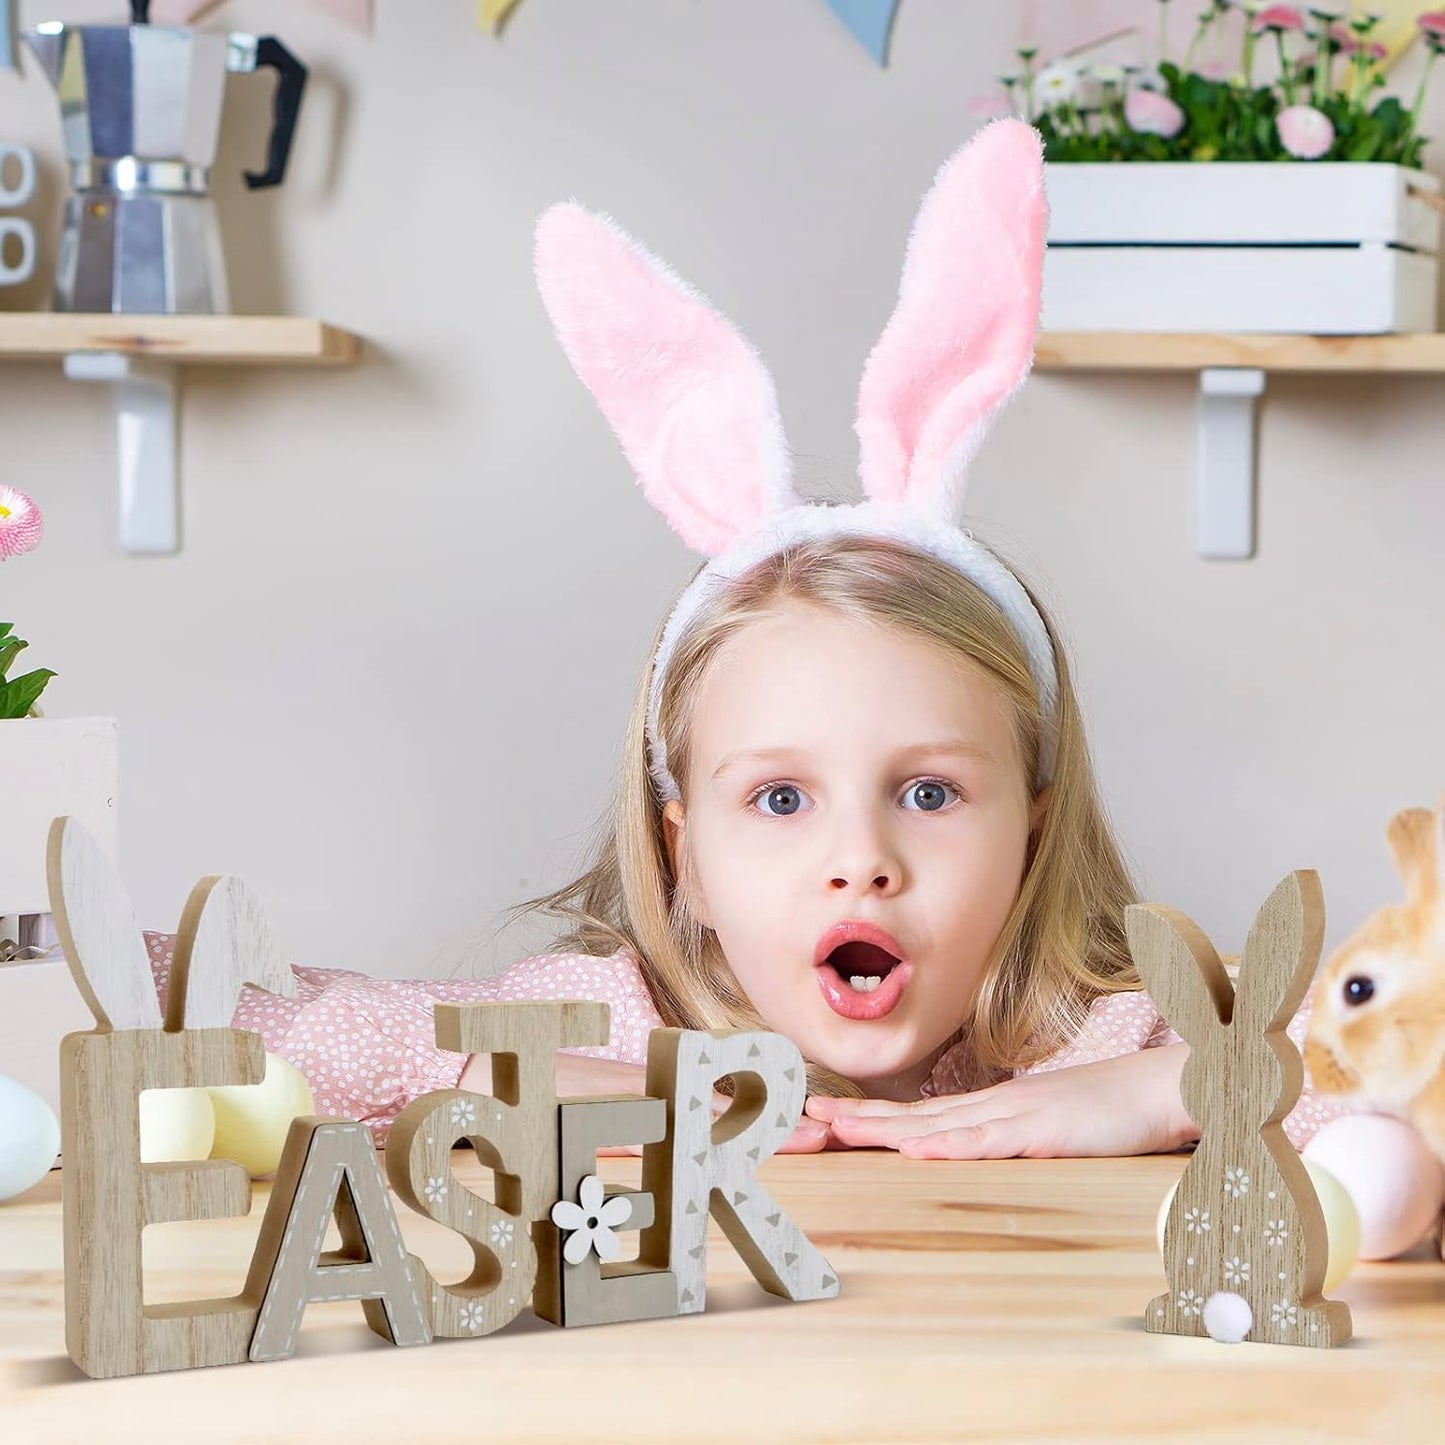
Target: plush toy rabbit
[[1377, 1031], [1244, 1243]]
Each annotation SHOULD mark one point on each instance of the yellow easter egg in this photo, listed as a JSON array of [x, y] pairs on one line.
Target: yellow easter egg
[[252, 1120], [175, 1124], [1342, 1223]]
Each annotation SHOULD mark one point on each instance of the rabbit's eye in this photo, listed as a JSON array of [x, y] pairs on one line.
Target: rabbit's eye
[[1359, 989]]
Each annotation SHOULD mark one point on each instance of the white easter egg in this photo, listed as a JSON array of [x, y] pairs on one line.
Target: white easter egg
[[1342, 1223], [253, 1120], [1397, 1184], [29, 1138], [175, 1124]]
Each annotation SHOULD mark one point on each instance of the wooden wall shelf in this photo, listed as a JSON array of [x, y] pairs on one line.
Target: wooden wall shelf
[[1232, 370], [141, 357], [1169, 351]]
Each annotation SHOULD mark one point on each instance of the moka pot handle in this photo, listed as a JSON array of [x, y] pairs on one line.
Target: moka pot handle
[[290, 83]]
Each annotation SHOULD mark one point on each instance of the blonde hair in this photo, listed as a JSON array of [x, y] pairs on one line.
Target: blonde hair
[[1063, 943]]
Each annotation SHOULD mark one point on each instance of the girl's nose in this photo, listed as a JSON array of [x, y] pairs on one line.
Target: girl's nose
[[865, 864]]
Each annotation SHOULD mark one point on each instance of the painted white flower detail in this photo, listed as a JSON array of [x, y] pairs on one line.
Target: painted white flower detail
[[472, 1315], [1236, 1182], [464, 1113], [1275, 1232], [1236, 1271], [1196, 1221], [502, 1231], [1190, 1302], [591, 1221], [1284, 1312], [435, 1189]]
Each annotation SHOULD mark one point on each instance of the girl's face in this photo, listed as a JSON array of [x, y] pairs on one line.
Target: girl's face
[[845, 773]]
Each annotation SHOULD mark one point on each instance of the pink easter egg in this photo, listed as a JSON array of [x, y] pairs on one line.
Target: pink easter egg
[[1397, 1184]]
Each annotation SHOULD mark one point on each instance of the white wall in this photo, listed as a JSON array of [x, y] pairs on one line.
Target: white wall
[[385, 680]]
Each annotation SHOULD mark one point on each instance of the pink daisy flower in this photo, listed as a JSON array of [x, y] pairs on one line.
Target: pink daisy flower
[[1150, 113], [1306, 133], [1432, 23], [1279, 17], [21, 525]]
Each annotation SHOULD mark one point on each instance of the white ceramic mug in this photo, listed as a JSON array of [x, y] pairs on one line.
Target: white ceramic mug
[[17, 161]]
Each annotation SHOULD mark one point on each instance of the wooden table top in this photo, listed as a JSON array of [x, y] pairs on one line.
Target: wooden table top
[[995, 1301]]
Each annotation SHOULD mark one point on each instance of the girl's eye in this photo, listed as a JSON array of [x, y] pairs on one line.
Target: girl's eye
[[785, 795], [930, 794], [785, 799]]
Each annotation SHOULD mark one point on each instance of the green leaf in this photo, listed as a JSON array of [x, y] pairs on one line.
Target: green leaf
[[20, 694], [9, 651]]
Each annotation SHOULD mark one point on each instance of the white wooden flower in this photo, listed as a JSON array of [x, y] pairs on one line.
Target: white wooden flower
[[502, 1232], [1236, 1271], [1190, 1302], [464, 1113], [1283, 1312], [1236, 1182], [435, 1189], [471, 1315], [1275, 1232], [1196, 1221], [591, 1221]]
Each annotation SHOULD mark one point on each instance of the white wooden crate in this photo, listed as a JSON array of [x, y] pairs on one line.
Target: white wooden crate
[[1318, 248], [48, 767]]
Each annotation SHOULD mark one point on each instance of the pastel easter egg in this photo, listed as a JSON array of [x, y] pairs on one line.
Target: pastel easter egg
[[253, 1120], [175, 1124], [1397, 1184], [1342, 1223], [29, 1138]]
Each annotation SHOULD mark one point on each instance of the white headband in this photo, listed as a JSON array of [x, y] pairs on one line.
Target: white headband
[[949, 544], [697, 414]]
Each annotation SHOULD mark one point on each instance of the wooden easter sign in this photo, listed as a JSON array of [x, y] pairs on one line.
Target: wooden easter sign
[[549, 1239], [1244, 1241]]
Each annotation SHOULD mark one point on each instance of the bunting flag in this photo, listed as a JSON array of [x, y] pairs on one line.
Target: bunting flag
[[356, 13], [491, 14], [871, 21]]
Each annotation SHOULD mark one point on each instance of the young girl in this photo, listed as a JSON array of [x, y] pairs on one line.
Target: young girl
[[856, 803]]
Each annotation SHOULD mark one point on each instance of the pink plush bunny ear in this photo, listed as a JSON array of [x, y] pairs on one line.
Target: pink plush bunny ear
[[961, 340], [690, 401]]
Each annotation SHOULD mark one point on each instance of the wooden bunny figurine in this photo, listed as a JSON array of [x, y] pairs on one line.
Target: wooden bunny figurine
[[1244, 1243], [1377, 1030], [109, 1195]]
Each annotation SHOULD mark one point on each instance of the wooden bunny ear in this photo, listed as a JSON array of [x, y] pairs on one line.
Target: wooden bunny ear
[[96, 923], [690, 401], [1413, 836], [1180, 969], [224, 942], [961, 340], [1280, 954]]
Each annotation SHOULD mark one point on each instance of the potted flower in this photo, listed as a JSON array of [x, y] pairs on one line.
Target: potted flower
[[1263, 181], [48, 767]]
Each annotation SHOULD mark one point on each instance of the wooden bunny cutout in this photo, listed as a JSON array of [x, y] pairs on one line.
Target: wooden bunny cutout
[[1244, 1241], [109, 1195]]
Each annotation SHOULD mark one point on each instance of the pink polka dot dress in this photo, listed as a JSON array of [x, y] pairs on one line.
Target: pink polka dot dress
[[367, 1046]]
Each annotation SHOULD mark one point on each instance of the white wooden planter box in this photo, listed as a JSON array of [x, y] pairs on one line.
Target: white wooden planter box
[[1312, 247], [48, 767]]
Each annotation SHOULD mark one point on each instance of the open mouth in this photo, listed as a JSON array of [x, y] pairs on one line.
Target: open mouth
[[862, 981]]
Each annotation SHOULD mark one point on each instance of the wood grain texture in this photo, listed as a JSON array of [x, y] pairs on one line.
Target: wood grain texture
[[514, 1130], [254, 340], [995, 1300], [110, 1196], [1422, 352], [591, 1292], [329, 1170], [1246, 1220], [225, 941], [96, 923], [702, 1166]]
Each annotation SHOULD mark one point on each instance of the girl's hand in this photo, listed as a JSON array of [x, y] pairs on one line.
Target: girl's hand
[[1128, 1105], [581, 1076]]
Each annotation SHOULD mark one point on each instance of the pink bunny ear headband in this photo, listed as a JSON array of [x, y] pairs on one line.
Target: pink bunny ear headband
[[697, 414]]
